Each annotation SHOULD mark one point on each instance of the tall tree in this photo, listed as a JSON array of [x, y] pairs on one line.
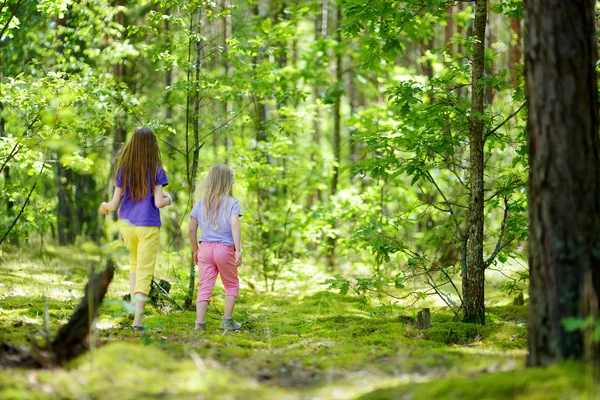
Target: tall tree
[[515, 48], [564, 176], [193, 149], [474, 279]]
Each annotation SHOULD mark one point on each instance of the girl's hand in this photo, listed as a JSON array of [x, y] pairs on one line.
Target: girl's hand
[[238, 258], [103, 209], [196, 257], [168, 196]]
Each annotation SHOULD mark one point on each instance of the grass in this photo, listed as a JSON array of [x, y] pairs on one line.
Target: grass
[[300, 342]]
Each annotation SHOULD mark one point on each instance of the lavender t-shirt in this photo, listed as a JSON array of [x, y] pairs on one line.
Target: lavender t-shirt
[[143, 212], [211, 233]]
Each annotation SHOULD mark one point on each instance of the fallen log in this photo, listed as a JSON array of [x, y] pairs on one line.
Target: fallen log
[[72, 339]]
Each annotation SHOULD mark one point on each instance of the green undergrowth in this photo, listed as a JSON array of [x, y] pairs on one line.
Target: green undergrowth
[[298, 342], [567, 381]]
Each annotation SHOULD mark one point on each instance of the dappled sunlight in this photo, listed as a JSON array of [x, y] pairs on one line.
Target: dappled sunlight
[[302, 340]]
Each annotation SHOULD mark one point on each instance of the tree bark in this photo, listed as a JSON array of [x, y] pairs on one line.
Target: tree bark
[[72, 339], [473, 282], [320, 32], [337, 129], [492, 28], [515, 49], [564, 176], [450, 27], [196, 145], [120, 133], [227, 32]]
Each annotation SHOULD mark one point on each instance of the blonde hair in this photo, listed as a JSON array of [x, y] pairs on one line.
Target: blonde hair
[[214, 189]]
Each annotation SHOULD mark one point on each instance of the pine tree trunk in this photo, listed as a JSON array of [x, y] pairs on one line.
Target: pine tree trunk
[[564, 176], [473, 282]]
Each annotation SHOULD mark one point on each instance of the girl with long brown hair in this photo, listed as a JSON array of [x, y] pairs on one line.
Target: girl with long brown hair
[[139, 182]]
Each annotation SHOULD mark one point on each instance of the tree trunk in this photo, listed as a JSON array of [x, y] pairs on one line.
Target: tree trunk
[[450, 27], [337, 129], [72, 339], [87, 216], [227, 32], [195, 150], [564, 180], [473, 282], [168, 77], [120, 134], [320, 32], [515, 49], [492, 35]]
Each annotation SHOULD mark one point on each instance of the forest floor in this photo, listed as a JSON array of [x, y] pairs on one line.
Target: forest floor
[[300, 342]]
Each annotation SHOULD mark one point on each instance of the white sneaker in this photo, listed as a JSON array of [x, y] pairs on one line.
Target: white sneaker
[[229, 324]]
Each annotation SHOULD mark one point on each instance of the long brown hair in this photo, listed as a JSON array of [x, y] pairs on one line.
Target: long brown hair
[[138, 158], [214, 189]]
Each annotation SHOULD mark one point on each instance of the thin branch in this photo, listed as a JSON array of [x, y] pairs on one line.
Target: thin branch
[[504, 274], [172, 146], [511, 116], [12, 15], [450, 209], [435, 287], [18, 146], [453, 285], [24, 205], [499, 245]]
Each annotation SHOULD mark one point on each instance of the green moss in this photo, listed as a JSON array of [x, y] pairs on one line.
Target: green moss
[[509, 313], [295, 343], [453, 333], [568, 381]]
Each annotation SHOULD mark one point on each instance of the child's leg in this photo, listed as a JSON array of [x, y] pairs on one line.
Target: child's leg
[[148, 242], [131, 285], [225, 259], [201, 309], [229, 304], [131, 242], [207, 276]]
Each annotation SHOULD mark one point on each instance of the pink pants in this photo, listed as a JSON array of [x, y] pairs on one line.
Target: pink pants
[[213, 259]]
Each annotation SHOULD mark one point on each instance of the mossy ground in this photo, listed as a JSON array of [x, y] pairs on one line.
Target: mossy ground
[[298, 342]]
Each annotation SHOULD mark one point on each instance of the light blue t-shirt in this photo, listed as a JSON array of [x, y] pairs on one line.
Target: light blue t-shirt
[[209, 232]]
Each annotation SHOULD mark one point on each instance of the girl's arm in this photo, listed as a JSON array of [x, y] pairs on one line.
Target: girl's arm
[[112, 205], [237, 237], [161, 199], [193, 234]]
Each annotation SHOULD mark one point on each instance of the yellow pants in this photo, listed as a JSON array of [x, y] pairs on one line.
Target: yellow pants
[[142, 243]]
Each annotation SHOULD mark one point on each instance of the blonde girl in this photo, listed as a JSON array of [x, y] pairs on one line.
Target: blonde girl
[[219, 250], [139, 182]]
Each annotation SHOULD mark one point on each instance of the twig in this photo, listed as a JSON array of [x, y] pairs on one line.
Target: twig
[[453, 285], [24, 204], [450, 209], [511, 116], [435, 287], [12, 15], [499, 245]]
